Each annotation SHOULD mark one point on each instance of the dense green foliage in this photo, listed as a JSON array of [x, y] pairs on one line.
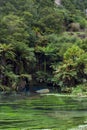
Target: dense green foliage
[[42, 43]]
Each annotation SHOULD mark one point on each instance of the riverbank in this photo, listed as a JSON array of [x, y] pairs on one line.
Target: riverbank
[[35, 95], [66, 95]]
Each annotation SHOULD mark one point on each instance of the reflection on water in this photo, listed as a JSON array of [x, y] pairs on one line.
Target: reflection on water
[[43, 113]]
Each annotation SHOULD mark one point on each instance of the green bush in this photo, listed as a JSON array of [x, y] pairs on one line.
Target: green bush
[[80, 89]]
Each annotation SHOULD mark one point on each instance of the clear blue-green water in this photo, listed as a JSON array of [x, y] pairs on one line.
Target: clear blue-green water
[[43, 113]]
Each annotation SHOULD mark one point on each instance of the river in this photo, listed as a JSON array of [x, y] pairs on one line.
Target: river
[[46, 112]]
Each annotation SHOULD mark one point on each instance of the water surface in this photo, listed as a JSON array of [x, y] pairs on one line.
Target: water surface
[[49, 112]]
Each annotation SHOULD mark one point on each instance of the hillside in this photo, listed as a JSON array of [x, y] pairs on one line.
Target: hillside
[[43, 44]]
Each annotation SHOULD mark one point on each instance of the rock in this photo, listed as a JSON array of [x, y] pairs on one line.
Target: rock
[[43, 91], [58, 2], [80, 127]]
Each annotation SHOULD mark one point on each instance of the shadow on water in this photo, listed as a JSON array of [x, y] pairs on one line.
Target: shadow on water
[[42, 112]]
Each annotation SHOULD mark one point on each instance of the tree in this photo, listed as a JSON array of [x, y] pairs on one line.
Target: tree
[[24, 58], [72, 70], [13, 29], [6, 56]]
